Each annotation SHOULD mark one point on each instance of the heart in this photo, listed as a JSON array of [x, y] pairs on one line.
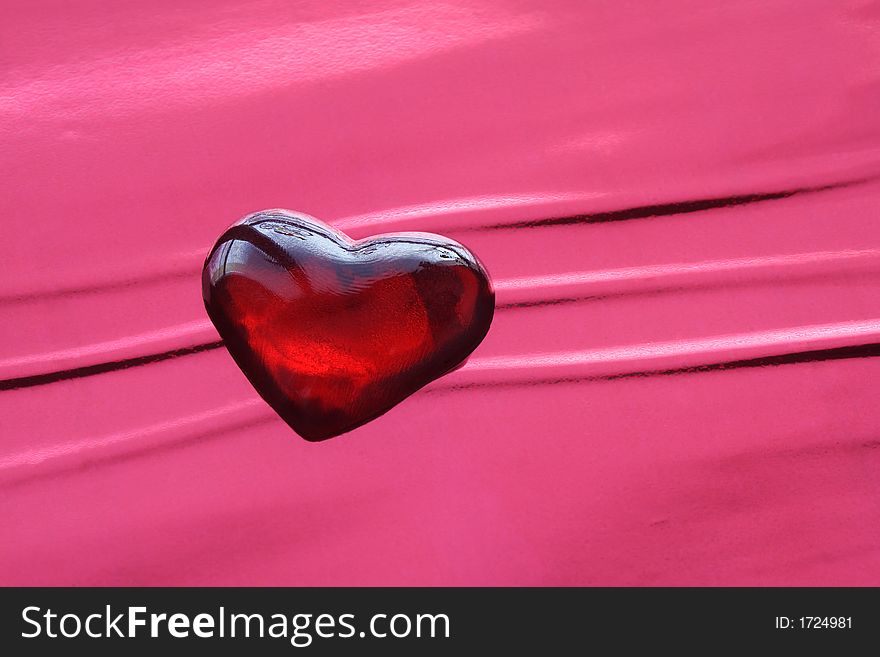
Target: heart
[[333, 332]]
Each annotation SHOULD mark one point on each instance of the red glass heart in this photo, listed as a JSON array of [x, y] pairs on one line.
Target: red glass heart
[[332, 332]]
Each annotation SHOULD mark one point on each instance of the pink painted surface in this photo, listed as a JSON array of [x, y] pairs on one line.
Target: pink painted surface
[[131, 136]]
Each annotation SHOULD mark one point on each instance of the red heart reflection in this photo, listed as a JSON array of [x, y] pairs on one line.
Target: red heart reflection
[[331, 332]]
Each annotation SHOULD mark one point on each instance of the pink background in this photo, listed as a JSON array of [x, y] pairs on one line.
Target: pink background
[[132, 134]]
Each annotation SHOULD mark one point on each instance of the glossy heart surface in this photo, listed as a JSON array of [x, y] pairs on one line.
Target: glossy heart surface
[[333, 332]]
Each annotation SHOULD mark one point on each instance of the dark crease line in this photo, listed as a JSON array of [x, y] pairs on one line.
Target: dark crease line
[[662, 209], [838, 353], [556, 301], [108, 286], [102, 368]]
